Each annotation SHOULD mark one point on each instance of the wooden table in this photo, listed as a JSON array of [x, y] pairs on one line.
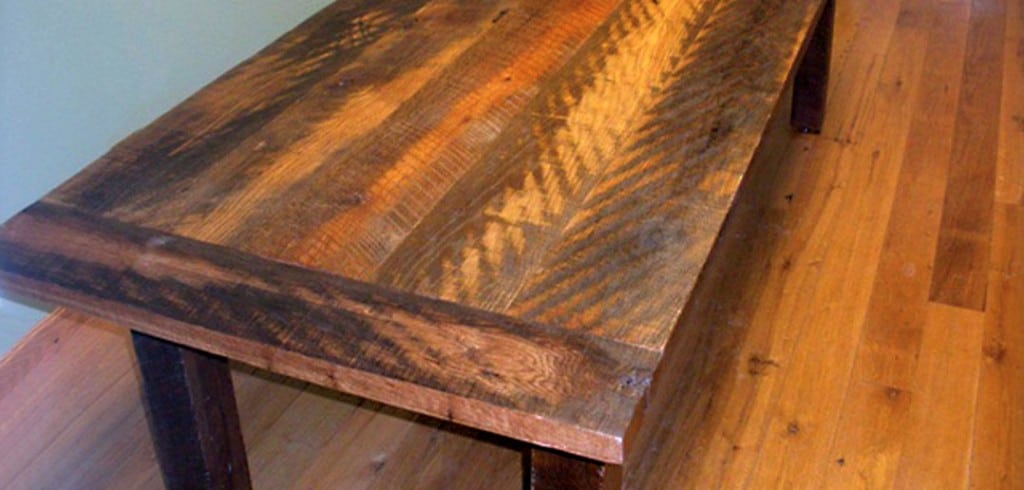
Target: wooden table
[[493, 213]]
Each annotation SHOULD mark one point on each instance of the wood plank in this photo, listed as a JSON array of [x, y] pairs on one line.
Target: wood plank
[[869, 441], [859, 55], [365, 449], [551, 116], [264, 399], [744, 402], [804, 403], [314, 417], [111, 435], [28, 400], [37, 347], [815, 344], [962, 254], [190, 406], [523, 198], [577, 391], [641, 235], [304, 69], [888, 351], [869, 436], [937, 439], [1010, 171], [997, 459], [432, 454], [396, 174], [780, 257]]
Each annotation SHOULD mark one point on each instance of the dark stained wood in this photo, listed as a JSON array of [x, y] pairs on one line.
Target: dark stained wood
[[810, 88], [476, 368], [190, 405], [962, 253], [550, 470], [556, 172]]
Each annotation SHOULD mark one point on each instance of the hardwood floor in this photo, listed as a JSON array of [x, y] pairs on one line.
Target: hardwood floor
[[861, 324]]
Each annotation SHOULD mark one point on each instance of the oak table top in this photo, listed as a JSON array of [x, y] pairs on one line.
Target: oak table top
[[490, 212]]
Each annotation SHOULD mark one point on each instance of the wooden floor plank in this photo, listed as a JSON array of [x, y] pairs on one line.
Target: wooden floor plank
[[1010, 172], [997, 460], [425, 458], [361, 451], [869, 436], [736, 432], [77, 346], [862, 39], [826, 304], [899, 300], [868, 444], [98, 441], [961, 259], [938, 430], [299, 435]]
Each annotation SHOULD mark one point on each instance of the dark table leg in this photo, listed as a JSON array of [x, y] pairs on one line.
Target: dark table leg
[[810, 88], [550, 470], [190, 405]]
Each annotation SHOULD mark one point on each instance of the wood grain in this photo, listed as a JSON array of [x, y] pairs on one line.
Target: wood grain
[[770, 301], [782, 293], [886, 382], [1010, 172], [56, 353], [804, 396], [938, 455], [460, 364], [997, 460], [562, 163], [485, 146], [962, 253], [894, 326]]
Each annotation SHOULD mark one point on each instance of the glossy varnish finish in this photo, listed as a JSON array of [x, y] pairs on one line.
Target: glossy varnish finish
[[557, 171], [825, 364]]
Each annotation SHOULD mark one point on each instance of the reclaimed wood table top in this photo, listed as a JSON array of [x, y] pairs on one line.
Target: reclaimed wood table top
[[491, 212]]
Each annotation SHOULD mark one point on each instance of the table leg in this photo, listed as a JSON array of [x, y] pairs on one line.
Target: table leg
[[810, 88], [547, 469], [190, 405]]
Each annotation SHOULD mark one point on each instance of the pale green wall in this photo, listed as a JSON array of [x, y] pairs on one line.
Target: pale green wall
[[76, 76]]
